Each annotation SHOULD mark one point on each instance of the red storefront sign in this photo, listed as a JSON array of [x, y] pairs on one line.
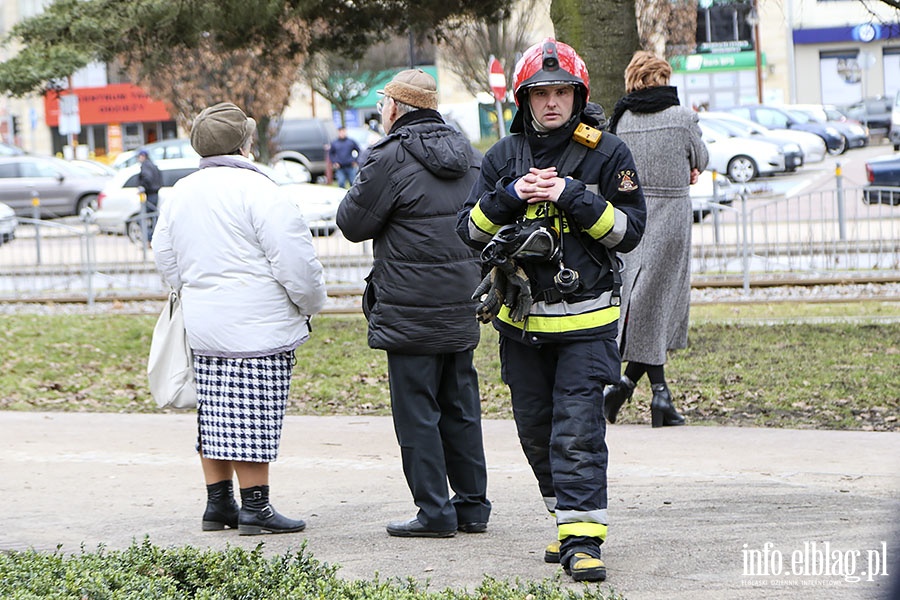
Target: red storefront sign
[[114, 103]]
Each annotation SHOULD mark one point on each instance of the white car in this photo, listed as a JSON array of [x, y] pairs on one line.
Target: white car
[[741, 159], [710, 193], [8, 223], [120, 207], [811, 145]]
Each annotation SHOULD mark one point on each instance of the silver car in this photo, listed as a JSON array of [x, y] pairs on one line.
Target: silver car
[[58, 188]]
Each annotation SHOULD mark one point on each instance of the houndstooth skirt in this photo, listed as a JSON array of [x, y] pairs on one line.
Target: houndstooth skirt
[[241, 404]]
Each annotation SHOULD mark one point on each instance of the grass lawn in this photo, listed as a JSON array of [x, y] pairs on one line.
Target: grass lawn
[[828, 366]]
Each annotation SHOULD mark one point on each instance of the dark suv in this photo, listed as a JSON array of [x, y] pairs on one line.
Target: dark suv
[[304, 141], [874, 113]]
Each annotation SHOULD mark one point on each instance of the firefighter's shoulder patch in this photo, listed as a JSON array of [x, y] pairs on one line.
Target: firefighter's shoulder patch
[[626, 179]]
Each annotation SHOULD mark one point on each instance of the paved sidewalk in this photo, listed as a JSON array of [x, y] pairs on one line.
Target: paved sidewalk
[[693, 510]]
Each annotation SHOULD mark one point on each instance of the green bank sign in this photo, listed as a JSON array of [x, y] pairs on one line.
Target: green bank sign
[[729, 61]]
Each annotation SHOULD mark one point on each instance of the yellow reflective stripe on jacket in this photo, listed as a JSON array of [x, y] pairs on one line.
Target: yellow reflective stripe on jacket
[[611, 227], [481, 228], [594, 530], [558, 317]]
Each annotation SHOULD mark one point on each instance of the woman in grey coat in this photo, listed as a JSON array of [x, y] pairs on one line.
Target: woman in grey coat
[[666, 143]]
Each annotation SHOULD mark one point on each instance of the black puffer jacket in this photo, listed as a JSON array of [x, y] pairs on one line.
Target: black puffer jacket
[[406, 199]]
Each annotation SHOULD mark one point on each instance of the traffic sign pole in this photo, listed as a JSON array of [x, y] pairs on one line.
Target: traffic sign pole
[[497, 81]]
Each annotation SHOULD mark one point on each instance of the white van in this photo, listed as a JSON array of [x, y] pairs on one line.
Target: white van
[[895, 123]]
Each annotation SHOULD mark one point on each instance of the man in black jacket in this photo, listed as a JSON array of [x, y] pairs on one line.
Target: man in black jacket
[[151, 180], [417, 301]]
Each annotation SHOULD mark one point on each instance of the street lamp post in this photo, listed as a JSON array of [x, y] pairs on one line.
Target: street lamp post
[[753, 21]]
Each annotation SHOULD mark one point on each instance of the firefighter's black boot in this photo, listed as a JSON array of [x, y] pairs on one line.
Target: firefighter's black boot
[[221, 509], [662, 411], [258, 516], [615, 395]]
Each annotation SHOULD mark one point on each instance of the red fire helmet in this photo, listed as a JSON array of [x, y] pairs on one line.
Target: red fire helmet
[[550, 63]]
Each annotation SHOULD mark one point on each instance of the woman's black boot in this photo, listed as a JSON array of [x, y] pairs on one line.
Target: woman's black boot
[[258, 516], [615, 395], [221, 509], [662, 411]]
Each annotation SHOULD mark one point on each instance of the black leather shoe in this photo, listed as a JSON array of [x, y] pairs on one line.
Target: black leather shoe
[[413, 528], [615, 395], [662, 411], [475, 527]]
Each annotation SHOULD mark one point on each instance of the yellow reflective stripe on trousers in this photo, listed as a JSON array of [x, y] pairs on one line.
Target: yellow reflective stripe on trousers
[[480, 227], [558, 317], [594, 530]]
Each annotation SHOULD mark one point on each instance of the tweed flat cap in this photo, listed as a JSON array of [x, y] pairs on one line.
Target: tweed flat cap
[[221, 129], [414, 87]]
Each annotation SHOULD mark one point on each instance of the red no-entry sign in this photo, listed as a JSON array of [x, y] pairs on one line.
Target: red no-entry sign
[[497, 79]]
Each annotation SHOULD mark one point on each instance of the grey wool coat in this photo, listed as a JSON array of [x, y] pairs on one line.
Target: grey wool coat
[[656, 283]]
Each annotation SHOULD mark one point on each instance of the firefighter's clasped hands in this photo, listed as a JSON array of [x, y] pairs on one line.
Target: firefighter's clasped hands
[[540, 185]]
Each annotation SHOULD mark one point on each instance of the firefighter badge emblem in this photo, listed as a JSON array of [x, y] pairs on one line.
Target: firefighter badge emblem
[[626, 181]]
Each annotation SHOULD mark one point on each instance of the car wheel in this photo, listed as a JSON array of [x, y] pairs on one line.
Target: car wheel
[[840, 148], [293, 170], [896, 147], [133, 230], [86, 203], [742, 169]]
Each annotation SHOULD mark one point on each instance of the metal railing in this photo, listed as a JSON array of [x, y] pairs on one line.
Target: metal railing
[[834, 234]]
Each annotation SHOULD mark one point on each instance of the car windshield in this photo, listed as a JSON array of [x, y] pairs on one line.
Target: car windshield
[[800, 116]]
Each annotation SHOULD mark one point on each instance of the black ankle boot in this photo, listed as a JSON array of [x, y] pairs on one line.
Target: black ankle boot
[[221, 509], [615, 395], [662, 411], [258, 516]]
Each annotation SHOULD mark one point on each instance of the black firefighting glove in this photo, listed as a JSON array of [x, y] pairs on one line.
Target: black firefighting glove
[[490, 293], [518, 293]]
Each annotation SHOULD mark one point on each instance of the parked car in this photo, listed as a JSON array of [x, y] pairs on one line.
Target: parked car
[[62, 188], [895, 123], [305, 142], [711, 192], [883, 174], [874, 113], [8, 223], [174, 148], [811, 146], [778, 118], [120, 207], [793, 154], [855, 134], [741, 159], [119, 203]]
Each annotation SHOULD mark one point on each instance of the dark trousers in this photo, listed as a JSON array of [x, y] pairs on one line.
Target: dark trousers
[[152, 210], [437, 419], [557, 398]]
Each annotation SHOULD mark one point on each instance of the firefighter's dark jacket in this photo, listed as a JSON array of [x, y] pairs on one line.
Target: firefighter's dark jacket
[[603, 212], [406, 199]]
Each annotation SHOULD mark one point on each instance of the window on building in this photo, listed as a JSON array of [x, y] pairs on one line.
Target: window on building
[[722, 26]]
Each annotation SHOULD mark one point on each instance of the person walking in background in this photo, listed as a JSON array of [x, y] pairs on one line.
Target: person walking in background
[[243, 260], [418, 305], [555, 201], [343, 154], [150, 179], [665, 140]]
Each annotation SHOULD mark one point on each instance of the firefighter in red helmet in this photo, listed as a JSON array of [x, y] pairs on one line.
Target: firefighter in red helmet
[[554, 203]]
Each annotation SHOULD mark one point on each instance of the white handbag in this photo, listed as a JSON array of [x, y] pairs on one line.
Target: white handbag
[[170, 367]]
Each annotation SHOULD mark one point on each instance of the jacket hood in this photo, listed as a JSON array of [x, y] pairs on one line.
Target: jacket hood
[[442, 150]]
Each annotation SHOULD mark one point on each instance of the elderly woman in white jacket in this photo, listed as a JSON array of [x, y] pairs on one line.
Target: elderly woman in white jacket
[[243, 259]]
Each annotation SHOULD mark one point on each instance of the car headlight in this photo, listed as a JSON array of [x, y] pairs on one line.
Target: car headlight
[[858, 130]]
